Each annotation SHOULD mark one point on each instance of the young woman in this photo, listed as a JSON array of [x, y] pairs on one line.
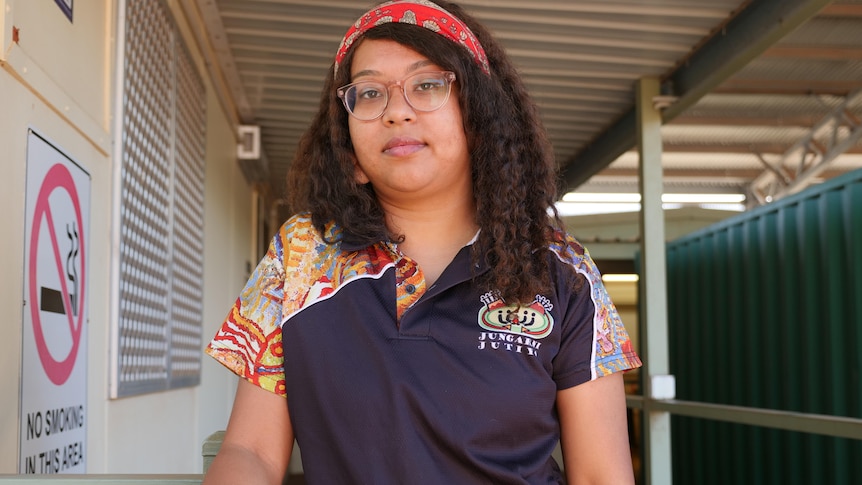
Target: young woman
[[422, 318]]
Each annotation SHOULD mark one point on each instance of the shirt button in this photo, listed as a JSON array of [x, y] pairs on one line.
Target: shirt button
[[410, 289]]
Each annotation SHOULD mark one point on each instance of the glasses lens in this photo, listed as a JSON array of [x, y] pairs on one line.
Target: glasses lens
[[427, 91], [365, 100]]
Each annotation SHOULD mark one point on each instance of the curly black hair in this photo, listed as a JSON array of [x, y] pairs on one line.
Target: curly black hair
[[513, 169]]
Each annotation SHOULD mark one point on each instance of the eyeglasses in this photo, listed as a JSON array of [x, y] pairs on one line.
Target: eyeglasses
[[423, 91]]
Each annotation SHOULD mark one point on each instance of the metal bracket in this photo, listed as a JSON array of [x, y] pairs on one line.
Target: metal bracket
[[663, 386]]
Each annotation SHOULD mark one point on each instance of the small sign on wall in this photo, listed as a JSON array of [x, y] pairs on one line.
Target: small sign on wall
[[53, 420], [66, 7]]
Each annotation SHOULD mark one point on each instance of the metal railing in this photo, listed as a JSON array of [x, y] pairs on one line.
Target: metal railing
[[836, 426], [101, 479]]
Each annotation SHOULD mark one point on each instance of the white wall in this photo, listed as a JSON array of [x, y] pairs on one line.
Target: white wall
[[228, 230], [57, 80]]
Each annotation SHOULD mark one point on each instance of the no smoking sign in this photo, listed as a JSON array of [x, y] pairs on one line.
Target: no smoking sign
[[57, 274], [54, 357]]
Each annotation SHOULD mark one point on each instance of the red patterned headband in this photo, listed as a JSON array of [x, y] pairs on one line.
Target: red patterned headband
[[415, 12]]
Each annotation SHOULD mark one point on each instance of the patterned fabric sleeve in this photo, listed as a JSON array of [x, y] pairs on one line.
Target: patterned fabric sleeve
[[595, 342], [249, 341]]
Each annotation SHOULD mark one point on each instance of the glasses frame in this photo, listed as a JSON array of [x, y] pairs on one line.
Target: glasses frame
[[448, 77]]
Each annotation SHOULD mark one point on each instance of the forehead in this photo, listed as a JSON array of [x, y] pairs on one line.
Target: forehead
[[375, 56]]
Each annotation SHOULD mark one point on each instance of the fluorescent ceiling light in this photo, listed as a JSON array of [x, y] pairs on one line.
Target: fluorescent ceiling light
[[620, 278], [610, 198], [571, 209], [584, 209], [628, 198], [703, 198]]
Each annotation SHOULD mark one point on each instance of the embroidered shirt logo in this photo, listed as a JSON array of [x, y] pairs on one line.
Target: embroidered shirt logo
[[533, 321]]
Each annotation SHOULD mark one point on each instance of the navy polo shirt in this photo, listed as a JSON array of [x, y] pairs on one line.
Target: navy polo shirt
[[390, 381]]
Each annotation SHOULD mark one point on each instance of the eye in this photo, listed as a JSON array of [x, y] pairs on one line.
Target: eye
[[368, 92], [428, 84]]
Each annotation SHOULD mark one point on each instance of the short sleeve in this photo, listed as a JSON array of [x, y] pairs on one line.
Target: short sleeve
[[249, 340], [594, 341]]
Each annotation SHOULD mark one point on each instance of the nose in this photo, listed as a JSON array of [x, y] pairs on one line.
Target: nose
[[397, 109]]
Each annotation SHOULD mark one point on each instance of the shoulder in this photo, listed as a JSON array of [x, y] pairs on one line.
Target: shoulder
[[570, 252], [302, 225], [299, 231], [569, 257]]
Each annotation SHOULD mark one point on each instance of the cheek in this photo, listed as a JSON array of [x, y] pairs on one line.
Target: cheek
[[354, 130], [359, 137], [456, 140], [455, 131]]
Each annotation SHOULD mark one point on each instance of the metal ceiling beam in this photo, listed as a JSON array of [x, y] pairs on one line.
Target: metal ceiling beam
[[821, 53], [787, 87], [771, 148], [553, 18], [843, 10], [837, 133], [744, 37], [738, 121], [741, 40], [555, 6], [717, 175]]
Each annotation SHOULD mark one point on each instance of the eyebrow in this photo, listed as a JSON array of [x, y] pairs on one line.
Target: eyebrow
[[412, 67]]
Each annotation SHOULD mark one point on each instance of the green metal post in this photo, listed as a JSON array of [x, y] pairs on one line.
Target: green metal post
[[653, 283]]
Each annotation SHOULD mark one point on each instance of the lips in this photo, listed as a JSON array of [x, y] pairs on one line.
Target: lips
[[402, 146]]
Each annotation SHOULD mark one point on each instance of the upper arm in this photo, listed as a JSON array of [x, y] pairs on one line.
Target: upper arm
[[595, 432], [258, 440]]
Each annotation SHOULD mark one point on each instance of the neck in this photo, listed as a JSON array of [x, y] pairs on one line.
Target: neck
[[433, 235]]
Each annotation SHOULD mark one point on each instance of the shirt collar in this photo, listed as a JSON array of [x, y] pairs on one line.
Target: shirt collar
[[349, 244]]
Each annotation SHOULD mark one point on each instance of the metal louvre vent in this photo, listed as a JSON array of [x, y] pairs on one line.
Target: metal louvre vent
[[188, 254], [161, 208]]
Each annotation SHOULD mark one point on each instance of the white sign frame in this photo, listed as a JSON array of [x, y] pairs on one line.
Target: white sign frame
[[52, 421]]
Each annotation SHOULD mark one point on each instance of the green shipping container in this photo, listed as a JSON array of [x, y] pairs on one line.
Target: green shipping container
[[765, 310]]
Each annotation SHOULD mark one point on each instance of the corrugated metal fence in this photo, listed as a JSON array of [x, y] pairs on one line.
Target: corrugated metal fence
[[765, 311]]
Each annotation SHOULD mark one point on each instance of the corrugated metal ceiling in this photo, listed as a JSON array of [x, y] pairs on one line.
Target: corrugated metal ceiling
[[581, 60]]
